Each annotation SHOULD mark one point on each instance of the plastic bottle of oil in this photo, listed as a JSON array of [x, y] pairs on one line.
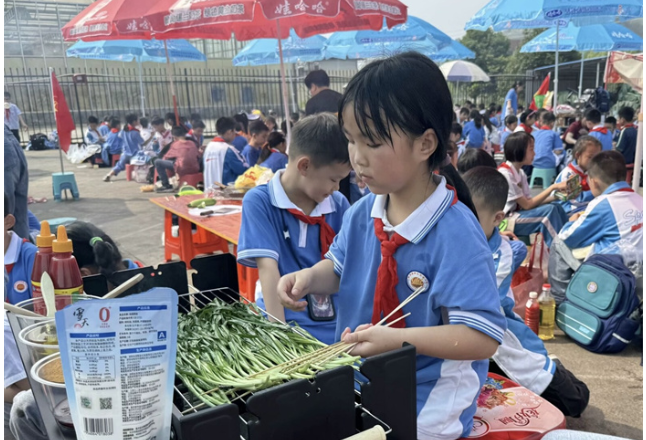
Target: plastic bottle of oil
[[548, 314], [532, 312]]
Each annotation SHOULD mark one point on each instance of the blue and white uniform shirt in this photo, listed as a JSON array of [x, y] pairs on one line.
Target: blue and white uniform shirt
[[612, 216], [18, 264], [268, 230], [603, 135], [92, 137], [132, 141], [443, 235], [522, 355], [518, 186]]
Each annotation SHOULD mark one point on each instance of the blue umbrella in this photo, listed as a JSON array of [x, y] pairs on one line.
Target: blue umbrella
[[454, 51], [596, 37], [415, 34], [155, 51], [513, 14], [265, 50]]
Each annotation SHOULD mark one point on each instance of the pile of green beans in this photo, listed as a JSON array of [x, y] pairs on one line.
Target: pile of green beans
[[225, 350]]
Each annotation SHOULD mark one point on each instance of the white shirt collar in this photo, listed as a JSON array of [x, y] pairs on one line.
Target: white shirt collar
[[422, 220], [13, 251], [280, 200], [598, 126]]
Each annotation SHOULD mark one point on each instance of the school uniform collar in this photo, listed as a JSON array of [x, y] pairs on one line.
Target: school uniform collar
[[576, 168], [495, 241], [422, 220], [13, 251], [618, 186], [279, 198], [514, 173], [599, 129]]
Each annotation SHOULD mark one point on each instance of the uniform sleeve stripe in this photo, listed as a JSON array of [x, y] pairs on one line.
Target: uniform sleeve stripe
[[248, 256], [476, 321], [338, 267]]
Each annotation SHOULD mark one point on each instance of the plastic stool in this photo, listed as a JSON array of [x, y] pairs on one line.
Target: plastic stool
[[191, 179], [545, 174], [188, 245], [129, 169], [63, 181], [115, 159], [630, 169]]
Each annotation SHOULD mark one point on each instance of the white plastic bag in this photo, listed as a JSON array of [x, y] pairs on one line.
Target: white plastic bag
[[80, 153]]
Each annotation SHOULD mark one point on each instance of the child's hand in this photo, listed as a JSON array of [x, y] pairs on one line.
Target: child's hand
[[293, 287], [562, 186], [509, 234], [576, 216], [372, 340]]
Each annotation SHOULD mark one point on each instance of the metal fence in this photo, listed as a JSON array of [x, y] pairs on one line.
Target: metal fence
[[495, 90], [113, 91]]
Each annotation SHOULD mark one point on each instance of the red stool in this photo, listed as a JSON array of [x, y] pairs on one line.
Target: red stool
[[129, 169], [191, 179], [168, 173], [630, 169], [115, 159], [189, 245]]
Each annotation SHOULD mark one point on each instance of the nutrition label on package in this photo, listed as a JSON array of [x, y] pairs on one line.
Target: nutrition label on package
[[121, 360]]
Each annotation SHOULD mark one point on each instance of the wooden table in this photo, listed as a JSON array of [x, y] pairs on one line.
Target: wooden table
[[226, 227]]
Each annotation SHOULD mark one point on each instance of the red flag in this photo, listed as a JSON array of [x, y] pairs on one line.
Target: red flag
[[64, 122], [539, 96]]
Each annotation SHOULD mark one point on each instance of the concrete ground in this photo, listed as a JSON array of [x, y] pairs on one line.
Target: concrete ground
[[126, 215]]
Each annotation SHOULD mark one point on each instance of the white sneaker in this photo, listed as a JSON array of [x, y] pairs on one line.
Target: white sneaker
[[106, 178]]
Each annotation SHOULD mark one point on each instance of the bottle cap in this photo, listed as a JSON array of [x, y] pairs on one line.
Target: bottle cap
[[546, 286], [45, 238], [62, 243], [533, 295]]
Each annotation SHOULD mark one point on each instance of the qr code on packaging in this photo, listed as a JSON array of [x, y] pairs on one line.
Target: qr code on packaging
[[105, 403]]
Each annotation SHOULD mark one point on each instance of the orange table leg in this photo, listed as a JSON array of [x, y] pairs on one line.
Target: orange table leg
[[186, 241]]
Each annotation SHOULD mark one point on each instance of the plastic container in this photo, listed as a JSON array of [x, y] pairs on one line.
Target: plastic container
[[40, 339], [42, 260], [532, 312], [547, 306], [32, 304], [63, 268], [54, 392]]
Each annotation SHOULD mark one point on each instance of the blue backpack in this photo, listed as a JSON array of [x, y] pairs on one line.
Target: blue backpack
[[601, 311]]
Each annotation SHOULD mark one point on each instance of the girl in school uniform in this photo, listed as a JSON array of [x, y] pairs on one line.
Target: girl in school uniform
[[474, 131], [132, 143], [412, 231], [529, 214], [273, 154]]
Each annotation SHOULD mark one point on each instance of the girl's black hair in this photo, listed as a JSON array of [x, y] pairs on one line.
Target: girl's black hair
[[477, 118], [516, 146], [475, 157], [275, 138], [406, 93], [93, 247], [131, 118], [114, 122]]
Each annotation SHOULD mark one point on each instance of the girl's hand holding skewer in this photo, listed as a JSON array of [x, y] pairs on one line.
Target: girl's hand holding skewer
[[372, 340]]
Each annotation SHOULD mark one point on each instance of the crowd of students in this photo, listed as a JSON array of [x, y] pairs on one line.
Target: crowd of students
[[431, 199]]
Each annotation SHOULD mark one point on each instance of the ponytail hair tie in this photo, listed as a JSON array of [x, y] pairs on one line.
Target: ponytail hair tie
[[95, 240]]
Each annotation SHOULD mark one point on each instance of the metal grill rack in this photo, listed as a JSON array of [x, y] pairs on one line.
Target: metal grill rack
[[334, 405]]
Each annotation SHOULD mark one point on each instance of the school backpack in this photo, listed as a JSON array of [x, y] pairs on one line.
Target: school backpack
[[601, 311], [602, 100]]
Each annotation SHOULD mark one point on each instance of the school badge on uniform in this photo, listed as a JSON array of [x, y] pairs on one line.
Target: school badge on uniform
[[20, 286], [415, 280]]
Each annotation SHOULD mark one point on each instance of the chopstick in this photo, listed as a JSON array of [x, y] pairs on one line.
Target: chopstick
[[412, 296], [123, 286]]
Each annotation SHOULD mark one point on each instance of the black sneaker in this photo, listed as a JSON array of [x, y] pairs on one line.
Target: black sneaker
[[165, 189]]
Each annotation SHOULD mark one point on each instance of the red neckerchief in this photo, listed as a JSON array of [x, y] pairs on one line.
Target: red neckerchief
[[527, 129], [602, 130], [131, 128], [545, 127], [537, 125], [275, 150], [630, 190], [504, 165], [584, 177], [190, 132], [218, 139], [386, 299], [326, 233], [629, 125], [114, 130]]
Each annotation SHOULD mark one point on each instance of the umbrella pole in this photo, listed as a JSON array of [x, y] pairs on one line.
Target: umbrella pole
[[283, 84], [582, 75], [556, 71], [51, 85], [169, 72], [141, 90], [639, 151]]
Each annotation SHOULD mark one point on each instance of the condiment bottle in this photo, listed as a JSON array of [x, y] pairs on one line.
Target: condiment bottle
[[63, 269], [41, 264], [532, 312]]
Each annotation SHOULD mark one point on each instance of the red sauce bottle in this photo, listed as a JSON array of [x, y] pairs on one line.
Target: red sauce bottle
[[533, 312], [63, 268], [42, 261]]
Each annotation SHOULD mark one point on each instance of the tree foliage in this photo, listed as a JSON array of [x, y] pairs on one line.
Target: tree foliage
[[491, 49]]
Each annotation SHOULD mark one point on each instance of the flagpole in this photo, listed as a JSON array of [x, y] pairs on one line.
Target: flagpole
[[51, 85]]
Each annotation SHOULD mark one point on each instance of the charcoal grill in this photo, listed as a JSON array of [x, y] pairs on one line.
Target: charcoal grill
[[336, 404]]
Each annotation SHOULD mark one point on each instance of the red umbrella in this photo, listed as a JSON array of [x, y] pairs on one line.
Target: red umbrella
[[220, 19]]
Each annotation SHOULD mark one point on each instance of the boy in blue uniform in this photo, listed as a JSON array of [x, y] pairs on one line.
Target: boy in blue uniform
[[511, 122], [411, 232], [113, 142], [132, 143], [93, 136], [522, 355], [289, 224], [473, 131], [627, 142], [547, 143], [104, 128], [258, 132], [222, 162], [597, 129], [585, 149], [273, 154], [19, 256]]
